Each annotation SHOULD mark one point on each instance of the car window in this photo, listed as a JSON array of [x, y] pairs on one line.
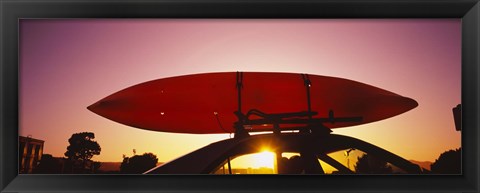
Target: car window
[[362, 163], [255, 163]]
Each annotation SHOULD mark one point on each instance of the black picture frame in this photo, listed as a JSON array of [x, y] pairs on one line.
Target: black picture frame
[[13, 10]]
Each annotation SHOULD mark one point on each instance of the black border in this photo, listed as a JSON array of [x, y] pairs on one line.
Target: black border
[[12, 10]]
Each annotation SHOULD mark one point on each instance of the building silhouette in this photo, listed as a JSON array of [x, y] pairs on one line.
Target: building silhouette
[[30, 152]]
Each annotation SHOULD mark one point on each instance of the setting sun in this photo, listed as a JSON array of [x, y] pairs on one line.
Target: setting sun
[[256, 160], [263, 159]]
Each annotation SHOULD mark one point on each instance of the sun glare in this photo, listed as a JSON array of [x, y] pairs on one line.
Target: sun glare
[[263, 159]]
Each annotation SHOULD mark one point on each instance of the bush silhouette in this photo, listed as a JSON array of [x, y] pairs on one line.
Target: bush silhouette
[[368, 164], [48, 165], [449, 162], [138, 163]]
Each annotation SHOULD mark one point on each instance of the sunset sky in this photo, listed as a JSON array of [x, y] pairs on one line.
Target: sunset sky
[[68, 64]]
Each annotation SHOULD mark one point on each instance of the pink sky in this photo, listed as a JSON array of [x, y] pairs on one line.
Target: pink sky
[[66, 65]]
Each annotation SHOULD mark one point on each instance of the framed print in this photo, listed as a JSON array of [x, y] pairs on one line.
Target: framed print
[[232, 96]]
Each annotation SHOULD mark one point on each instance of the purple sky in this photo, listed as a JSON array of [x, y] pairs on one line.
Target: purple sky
[[66, 65]]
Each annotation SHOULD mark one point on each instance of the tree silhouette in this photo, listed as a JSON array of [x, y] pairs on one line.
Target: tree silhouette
[[449, 162], [368, 164], [138, 163], [82, 148]]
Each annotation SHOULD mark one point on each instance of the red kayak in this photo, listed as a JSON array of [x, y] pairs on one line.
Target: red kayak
[[205, 103]]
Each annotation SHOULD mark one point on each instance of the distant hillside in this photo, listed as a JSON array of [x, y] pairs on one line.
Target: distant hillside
[[113, 166], [423, 164], [110, 166]]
